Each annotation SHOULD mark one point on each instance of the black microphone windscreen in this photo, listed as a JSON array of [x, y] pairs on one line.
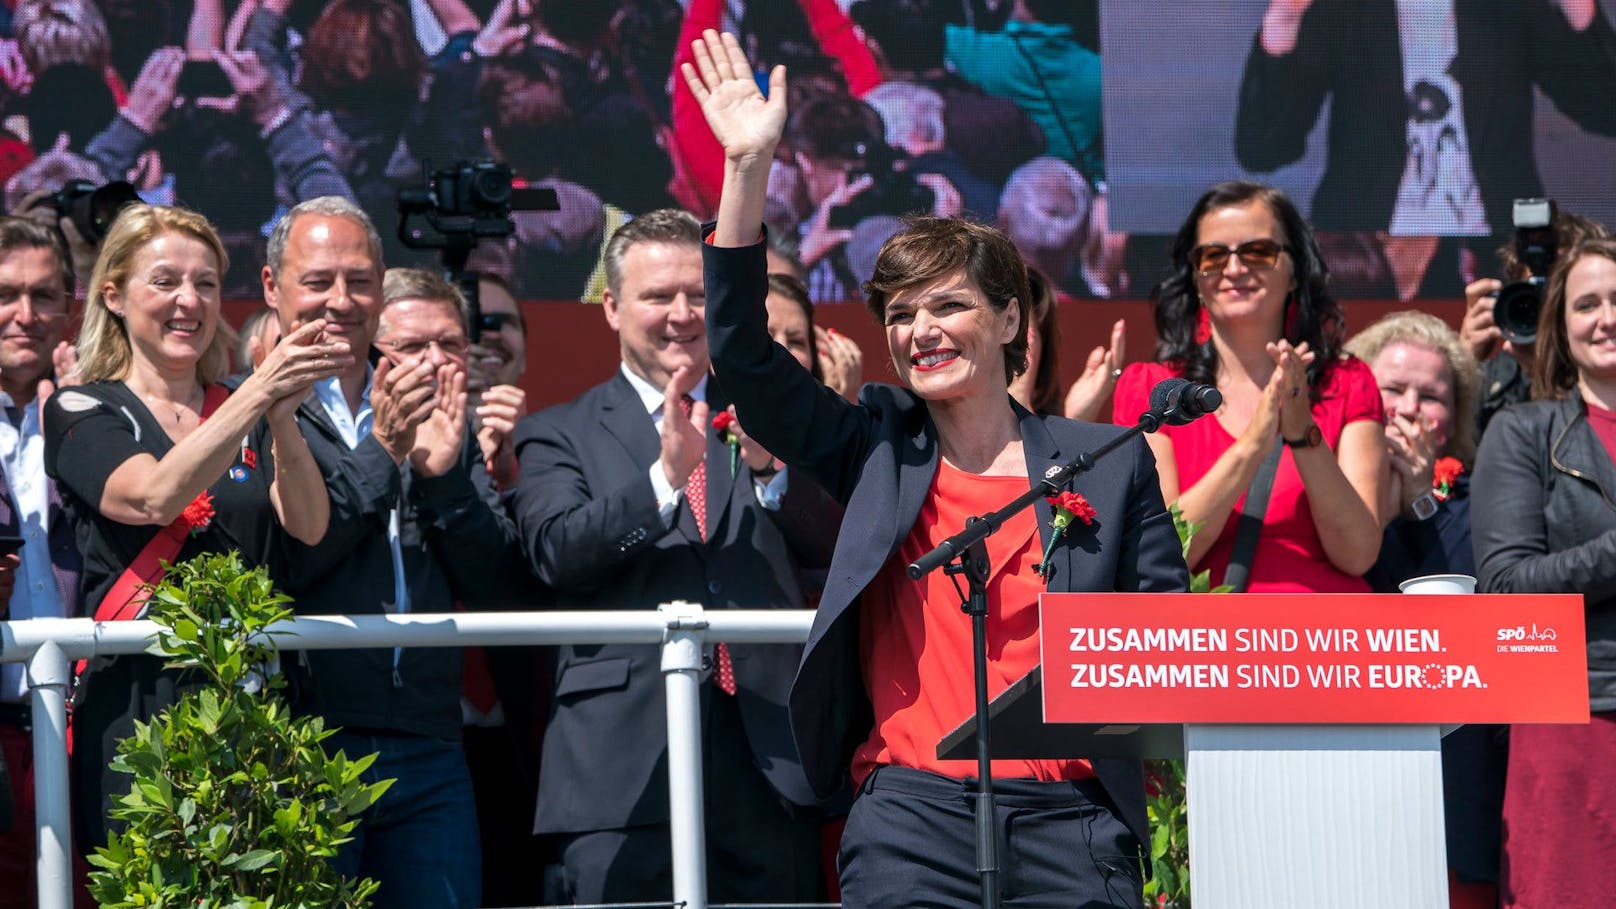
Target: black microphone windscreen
[[1162, 395]]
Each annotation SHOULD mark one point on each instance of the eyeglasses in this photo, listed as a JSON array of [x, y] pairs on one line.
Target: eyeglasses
[[454, 348], [1258, 255]]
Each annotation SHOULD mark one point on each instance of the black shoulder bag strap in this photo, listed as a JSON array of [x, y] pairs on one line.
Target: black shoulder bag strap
[[1251, 518]]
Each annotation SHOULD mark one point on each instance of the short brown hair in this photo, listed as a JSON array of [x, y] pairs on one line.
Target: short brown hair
[[928, 248], [663, 225], [1555, 373], [22, 233], [419, 284]]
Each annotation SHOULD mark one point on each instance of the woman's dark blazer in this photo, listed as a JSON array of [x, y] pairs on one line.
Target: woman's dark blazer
[[879, 458]]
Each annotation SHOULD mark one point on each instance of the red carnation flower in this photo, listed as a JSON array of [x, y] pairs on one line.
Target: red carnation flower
[[1443, 477], [723, 421], [199, 514], [1074, 506]]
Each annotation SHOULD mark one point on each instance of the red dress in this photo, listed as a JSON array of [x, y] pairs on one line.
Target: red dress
[[1289, 556]]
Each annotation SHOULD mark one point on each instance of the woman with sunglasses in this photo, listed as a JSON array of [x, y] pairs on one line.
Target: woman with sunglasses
[[1247, 309]]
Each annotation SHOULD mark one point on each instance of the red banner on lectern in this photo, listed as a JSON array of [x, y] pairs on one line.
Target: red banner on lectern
[[1313, 658]]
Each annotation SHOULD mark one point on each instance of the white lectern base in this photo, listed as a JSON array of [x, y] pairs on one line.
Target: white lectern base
[[1316, 816]]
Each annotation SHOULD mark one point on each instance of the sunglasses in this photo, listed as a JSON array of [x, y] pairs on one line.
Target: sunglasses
[[1258, 255]]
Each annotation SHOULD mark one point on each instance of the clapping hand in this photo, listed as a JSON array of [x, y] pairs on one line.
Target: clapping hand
[[501, 407], [1099, 377], [441, 435]]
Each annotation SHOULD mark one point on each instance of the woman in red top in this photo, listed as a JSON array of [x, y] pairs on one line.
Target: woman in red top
[[881, 679], [1247, 309]]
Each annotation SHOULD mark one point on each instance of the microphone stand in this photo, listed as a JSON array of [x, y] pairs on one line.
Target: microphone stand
[[966, 553]]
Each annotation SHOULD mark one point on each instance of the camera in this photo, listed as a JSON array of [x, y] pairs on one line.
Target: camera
[[1519, 302], [892, 191], [470, 200], [91, 208], [462, 204]]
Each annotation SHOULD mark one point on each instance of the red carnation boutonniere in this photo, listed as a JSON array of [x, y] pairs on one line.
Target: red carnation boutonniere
[[724, 425], [199, 514], [1443, 476], [1069, 507]]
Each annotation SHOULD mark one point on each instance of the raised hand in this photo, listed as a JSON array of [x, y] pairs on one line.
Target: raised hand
[[1479, 332], [746, 124], [302, 358], [1281, 25], [152, 94], [507, 28], [1099, 377], [1295, 404], [684, 441], [1411, 452], [401, 398], [841, 362], [501, 407], [439, 438]]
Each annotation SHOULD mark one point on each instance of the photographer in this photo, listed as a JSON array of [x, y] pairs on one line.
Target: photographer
[[1507, 364]]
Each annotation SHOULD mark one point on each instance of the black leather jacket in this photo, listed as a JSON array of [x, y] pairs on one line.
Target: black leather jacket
[[1546, 521]]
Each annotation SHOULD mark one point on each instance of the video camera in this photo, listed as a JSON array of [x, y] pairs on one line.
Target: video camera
[[893, 191], [462, 204], [91, 208], [1520, 302]]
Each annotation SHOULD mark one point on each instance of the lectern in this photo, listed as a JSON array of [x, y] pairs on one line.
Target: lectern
[[1311, 725]]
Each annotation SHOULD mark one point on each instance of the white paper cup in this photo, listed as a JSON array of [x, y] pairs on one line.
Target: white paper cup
[[1439, 583]]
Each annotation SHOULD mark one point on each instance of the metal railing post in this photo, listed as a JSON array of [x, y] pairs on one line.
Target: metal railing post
[[682, 649], [48, 677]]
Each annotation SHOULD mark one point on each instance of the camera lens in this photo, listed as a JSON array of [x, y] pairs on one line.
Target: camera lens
[[491, 188], [1516, 310]]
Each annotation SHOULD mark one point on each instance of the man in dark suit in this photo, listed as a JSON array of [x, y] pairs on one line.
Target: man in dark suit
[[41, 579], [625, 501], [415, 527], [1473, 77]]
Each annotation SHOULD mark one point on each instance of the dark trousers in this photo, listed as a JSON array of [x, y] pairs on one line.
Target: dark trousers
[[759, 850], [420, 838], [910, 841]]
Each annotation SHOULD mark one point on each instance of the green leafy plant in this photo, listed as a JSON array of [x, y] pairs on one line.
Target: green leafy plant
[[234, 803], [1169, 886]]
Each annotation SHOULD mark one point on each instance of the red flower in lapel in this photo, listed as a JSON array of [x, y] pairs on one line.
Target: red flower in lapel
[[1443, 476], [724, 424], [1069, 507]]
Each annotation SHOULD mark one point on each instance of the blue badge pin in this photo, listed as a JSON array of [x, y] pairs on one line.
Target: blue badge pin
[[238, 473]]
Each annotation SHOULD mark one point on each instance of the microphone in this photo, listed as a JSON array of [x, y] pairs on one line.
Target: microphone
[[1190, 401]]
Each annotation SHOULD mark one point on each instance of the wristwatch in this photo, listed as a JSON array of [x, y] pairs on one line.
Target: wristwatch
[[1313, 438], [1423, 507]]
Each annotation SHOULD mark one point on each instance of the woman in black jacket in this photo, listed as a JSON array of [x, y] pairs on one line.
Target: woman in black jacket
[[1546, 523], [879, 684]]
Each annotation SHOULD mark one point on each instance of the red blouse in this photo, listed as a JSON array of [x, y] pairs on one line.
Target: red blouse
[[915, 643], [1289, 557]]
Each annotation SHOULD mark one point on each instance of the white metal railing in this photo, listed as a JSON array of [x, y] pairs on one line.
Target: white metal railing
[[49, 647]]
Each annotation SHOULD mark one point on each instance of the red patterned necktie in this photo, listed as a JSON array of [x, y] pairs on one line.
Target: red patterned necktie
[[696, 495]]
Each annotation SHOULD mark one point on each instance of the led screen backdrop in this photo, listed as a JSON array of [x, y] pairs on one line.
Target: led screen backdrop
[[1085, 129]]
